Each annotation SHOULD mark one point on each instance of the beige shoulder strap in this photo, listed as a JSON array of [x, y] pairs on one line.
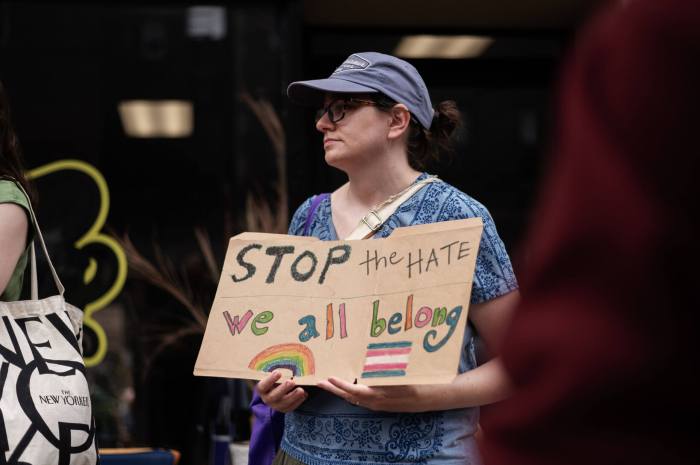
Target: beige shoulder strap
[[373, 220]]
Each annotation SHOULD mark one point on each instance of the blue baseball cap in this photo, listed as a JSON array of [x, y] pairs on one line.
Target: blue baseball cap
[[370, 72]]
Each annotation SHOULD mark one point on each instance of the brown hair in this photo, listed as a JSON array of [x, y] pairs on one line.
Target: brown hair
[[10, 152], [427, 146]]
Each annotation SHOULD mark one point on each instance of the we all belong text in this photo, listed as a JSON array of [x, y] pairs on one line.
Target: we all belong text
[[303, 266]]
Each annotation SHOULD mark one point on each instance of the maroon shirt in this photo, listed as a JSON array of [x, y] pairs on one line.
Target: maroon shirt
[[603, 348]]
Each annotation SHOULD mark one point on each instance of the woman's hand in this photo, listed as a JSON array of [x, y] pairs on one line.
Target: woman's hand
[[283, 397], [380, 398], [483, 385]]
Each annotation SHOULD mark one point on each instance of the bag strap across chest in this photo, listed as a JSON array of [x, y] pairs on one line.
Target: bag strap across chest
[[376, 217]]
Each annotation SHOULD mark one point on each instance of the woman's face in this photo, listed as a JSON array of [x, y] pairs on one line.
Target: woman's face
[[359, 133]]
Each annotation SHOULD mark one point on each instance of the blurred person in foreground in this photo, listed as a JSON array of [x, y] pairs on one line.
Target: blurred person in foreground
[[602, 349]]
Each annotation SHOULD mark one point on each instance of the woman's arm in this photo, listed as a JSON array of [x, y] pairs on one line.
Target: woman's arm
[[485, 384], [13, 239]]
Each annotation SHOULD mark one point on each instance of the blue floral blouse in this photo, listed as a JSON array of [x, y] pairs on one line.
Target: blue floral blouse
[[328, 430]]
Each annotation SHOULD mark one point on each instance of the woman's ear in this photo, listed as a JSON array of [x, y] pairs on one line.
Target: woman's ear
[[399, 122]]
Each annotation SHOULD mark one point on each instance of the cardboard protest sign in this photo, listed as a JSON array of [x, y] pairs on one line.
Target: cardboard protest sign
[[383, 311]]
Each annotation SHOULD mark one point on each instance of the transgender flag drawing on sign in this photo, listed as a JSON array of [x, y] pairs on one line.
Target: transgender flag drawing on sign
[[386, 359]]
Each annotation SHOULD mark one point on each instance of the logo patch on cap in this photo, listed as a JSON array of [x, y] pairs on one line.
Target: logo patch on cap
[[354, 62]]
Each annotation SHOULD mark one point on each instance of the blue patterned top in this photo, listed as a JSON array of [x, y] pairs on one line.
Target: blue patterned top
[[328, 430]]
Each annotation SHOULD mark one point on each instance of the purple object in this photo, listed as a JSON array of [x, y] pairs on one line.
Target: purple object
[[124, 457], [266, 434], [312, 209], [268, 424]]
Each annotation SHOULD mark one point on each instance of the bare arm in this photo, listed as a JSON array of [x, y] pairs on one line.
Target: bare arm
[[485, 384], [13, 238]]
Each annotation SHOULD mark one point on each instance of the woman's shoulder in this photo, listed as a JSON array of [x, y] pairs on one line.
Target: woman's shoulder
[[18, 218], [298, 222], [13, 219], [10, 193], [443, 202], [446, 191]]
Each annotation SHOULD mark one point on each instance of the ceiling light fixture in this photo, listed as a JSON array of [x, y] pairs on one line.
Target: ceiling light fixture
[[434, 46], [156, 118]]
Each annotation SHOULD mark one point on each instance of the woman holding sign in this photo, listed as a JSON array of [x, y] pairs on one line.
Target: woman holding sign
[[380, 128]]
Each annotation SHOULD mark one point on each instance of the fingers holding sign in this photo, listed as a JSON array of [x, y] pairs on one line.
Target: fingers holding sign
[[283, 397], [380, 398]]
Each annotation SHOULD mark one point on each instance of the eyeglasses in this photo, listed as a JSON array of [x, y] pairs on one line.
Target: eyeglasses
[[336, 108]]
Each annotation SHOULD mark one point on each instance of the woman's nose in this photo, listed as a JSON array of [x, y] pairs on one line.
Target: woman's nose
[[324, 123]]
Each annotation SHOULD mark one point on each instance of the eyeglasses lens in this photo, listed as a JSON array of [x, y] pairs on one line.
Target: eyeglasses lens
[[335, 110]]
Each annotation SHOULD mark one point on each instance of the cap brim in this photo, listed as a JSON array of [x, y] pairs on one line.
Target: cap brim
[[312, 92]]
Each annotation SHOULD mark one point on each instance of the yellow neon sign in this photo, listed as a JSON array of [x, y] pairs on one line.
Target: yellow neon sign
[[93, 236]]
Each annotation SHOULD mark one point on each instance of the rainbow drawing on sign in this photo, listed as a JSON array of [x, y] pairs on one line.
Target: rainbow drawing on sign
[[386, 359], [294, 357]]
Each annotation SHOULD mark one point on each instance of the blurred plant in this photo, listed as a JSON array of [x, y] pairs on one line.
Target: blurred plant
[[164, 276], [260, 215]]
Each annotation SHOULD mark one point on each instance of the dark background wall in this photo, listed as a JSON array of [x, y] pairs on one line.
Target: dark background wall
[[68, 65]]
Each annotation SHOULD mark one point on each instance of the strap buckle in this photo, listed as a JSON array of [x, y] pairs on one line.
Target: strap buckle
[[376, 225]]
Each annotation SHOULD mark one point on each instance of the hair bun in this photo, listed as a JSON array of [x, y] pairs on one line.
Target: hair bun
[[427, 145], [446, 118]]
